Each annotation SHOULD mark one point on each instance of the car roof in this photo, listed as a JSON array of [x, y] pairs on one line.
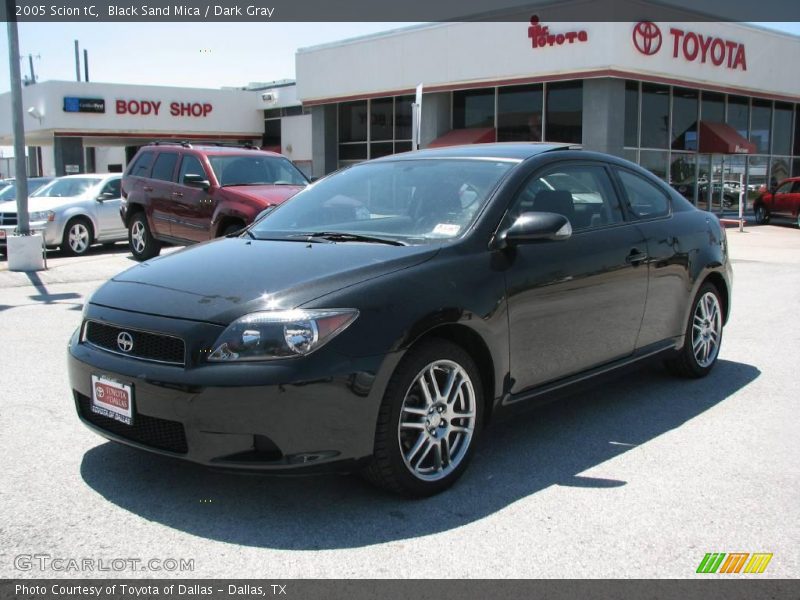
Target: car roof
[[504, 150], [94, 175], [210, 149]]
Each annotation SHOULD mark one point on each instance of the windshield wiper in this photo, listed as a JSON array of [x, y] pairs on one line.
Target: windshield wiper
[[338, 236]]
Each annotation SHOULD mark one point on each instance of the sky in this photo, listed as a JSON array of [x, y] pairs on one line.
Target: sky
[[208, 55]]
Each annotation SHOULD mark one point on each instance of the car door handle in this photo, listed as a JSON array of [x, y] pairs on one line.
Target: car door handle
[[177, 194], [636, 257], [147, 188]]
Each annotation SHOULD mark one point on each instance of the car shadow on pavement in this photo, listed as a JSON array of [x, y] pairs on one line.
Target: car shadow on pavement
[[548, 446]]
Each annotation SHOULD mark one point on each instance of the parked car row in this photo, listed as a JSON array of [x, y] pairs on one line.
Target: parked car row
[[171, 193]]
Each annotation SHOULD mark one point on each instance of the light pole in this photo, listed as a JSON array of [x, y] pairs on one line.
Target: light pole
[[23, 226]]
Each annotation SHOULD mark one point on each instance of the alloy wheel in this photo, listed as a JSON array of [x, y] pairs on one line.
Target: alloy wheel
[[78, 238], [706, 329], [138, 237], [437, 420]]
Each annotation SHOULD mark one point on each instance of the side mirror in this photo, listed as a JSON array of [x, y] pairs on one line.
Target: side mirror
[[536, 226], [105, 196], [196, 181]]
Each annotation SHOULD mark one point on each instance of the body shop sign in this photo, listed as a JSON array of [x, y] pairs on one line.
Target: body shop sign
[[154, 108], [691, 46]]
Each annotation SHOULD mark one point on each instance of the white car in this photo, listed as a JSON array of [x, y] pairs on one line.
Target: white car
[[72, 212]]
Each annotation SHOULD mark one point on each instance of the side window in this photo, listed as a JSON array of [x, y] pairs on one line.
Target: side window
[[112, 188], [191, 165], [141, 166], [582, 193], [796, 187], [646, 200], [164, 166], [784, 189]]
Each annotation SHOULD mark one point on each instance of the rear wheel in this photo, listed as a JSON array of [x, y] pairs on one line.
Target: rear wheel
[[703, 335], [142, 243], [762, 214], [428, 422], [77, 237]]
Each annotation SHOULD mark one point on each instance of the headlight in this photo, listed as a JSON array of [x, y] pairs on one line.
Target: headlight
[[270, 335], [42, 215]]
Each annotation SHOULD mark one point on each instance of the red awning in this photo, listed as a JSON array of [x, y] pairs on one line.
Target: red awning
[[719, 138], [276, 149], [459, 137]]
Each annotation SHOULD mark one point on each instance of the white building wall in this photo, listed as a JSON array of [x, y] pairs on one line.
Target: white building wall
[[108, 155]]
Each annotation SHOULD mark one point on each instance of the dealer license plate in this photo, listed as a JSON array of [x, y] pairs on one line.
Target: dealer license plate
[[112, 399]]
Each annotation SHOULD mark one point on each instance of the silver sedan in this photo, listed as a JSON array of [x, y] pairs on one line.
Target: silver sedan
[[72, 212]]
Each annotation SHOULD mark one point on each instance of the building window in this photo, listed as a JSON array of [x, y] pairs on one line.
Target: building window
[[684, 119], [387, 131], [760, 125], [519, 113], [402, 118], [473, 108], [655, 162], [564, 112], [681, 173], [632, 113], [796, 130], [782, 129], [712, 107], [353, 122], [739, 114], [655, 116], [380, 119], [272, 133], [779, 169]]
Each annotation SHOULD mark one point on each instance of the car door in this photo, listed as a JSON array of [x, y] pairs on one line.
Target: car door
[[668, 262], [109, 221], [159, 187], [193, 207], [577, 303]]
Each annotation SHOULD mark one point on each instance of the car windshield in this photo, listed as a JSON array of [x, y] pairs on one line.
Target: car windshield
[[405, 201], [67, 187], [255, 170], [10, 191]]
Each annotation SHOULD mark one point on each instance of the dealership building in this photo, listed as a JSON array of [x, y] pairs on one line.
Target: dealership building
[[694, 102]]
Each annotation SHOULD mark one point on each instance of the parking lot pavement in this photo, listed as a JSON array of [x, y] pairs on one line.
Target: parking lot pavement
[[639, 478]]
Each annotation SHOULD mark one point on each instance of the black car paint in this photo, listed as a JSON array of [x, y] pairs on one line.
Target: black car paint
[[507, 305]]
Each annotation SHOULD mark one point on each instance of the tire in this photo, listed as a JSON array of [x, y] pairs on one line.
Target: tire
[[703, 336], [436, 441], [762, 214], [141, 242], [78, 237]]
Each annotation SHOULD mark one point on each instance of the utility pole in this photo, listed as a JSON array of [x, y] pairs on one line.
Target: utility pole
[[85, 65], [77, 62], [23, 225], [30, 64]]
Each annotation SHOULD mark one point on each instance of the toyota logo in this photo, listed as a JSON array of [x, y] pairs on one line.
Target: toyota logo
[[647, 37], [125, 341]]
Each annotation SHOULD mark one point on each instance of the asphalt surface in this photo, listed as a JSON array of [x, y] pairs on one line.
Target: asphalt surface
[[639, 478]]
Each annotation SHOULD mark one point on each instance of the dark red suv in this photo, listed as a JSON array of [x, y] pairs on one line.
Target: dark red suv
[[180, 193]]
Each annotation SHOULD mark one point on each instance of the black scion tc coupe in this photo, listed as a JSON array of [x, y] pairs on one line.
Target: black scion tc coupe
[[382, 317]]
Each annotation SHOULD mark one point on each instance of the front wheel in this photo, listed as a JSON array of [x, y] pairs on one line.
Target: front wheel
[[428, 422], [77, 237], [142, 243], [703, 335]]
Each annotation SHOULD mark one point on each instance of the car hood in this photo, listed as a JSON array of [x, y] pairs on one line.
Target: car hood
[[221, 280], [273, 194], [39, 203]]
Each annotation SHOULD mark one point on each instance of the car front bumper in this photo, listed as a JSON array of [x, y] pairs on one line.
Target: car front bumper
[[298, 415], [49, 229]]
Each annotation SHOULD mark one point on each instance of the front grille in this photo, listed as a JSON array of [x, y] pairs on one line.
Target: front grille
[[8, 218], [146, 345], [148, 431]]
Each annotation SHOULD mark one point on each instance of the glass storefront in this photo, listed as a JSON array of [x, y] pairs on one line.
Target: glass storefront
[[662, 135]]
